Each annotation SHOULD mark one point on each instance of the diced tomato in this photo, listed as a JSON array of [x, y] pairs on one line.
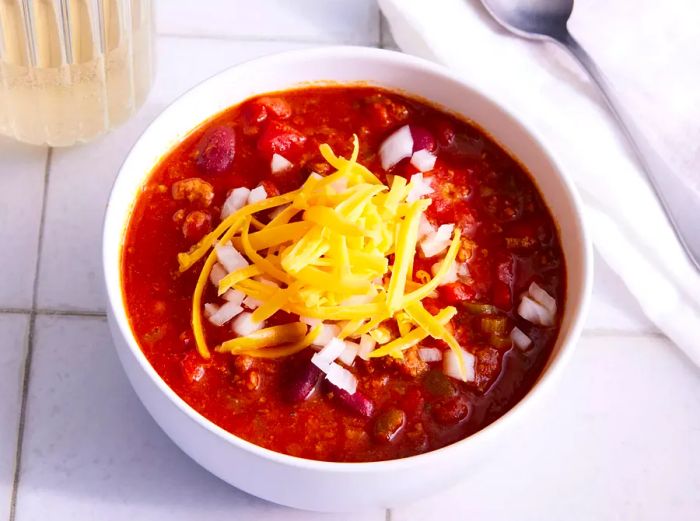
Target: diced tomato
[[456, 292], [280, 138], [275, 106], [270, 188], [267, 106], [432, 306]]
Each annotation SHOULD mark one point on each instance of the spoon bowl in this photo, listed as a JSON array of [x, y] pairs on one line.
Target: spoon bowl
[[533, 19], [547, 20]]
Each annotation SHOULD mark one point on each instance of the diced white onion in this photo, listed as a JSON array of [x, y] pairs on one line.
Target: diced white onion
[[327, 333], [233, 295], [251, 302], [342, 378], [430, 246], [424, 227], [367, 345], [225, 313], [450, 276], [535, 312], [330, 352], [217, 273], [396, 147], [542, 297], [444, 232], [340, 185], [437, 242], [257, 194], [463, 270], [235, 201], [280, 164], [418, 187], [310, 321], [450, 365], [430, 354], [349, 353], [244, 325], [210, 309], [520, 339], [423, 160], [229, 257]]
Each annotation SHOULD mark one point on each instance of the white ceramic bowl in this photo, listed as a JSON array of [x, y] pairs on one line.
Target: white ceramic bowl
[[298, 482]]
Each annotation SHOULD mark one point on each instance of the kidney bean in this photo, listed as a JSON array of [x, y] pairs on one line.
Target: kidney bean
[[422, 139], [357, 403], [215, 150], [303, 382], [388, 425]]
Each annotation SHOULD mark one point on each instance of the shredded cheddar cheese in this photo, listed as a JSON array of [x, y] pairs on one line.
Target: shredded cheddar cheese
[[340, 249]]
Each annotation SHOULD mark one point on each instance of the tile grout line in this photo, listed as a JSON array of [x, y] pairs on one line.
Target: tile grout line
[[30, 342], [70, 313], [15, 311], [387, 515]]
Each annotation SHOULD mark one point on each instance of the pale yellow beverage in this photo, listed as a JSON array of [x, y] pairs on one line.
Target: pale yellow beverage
[[72, 69]]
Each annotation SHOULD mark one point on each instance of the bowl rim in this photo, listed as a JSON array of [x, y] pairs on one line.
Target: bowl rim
[[577, 305]]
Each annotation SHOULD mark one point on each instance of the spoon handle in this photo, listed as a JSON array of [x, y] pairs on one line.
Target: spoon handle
[[680, 201]]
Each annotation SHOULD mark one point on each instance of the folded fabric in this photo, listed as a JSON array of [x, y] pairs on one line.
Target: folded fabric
[[542, 86]]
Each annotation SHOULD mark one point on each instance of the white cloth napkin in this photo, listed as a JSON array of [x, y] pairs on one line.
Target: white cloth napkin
[[651, 51]]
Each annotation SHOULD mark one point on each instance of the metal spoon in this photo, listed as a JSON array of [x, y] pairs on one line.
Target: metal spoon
[[547, 20]]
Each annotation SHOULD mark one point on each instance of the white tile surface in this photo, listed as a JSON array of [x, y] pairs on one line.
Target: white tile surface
[[328, 21], [92, 452], [21, 192], [81, 177], [13, 331], [618, 439]]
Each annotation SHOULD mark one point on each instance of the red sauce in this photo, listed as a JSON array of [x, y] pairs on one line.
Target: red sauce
[[512, 241]]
